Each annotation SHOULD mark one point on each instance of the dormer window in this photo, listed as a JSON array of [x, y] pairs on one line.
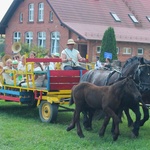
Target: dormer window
[[133, 18], [115, 16], [148, 18]]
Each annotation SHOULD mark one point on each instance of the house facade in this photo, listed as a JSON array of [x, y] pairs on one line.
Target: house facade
[[50, 23]]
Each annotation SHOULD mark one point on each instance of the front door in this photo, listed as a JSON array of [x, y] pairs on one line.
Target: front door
[[82, 49]]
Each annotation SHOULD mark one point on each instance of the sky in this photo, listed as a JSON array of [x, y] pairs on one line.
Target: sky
[[4, 5]]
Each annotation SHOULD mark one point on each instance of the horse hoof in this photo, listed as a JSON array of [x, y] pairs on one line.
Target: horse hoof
[[101, 134], [115, 137], [88, 128], [133, 135], [69, 128], [81, 136]]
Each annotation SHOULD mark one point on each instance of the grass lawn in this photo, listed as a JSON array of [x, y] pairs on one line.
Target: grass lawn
[[22, 129]]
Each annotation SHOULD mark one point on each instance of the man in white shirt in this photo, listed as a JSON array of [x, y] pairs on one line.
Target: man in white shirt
[[71, 57]]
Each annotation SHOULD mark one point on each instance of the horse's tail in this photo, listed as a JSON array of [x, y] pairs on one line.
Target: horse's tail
[[71, 102]]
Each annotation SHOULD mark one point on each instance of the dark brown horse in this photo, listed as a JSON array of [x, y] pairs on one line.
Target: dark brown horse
[[139, 68], [109, 98]]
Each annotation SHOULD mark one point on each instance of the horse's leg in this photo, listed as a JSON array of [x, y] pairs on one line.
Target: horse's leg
[[104, 125], [86, 121], [136, 125], [116, 120], [146, 116], [72, 125], [130, 121], [91, 114]]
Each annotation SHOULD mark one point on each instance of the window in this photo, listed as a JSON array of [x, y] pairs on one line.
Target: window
[[42, 39], [98, 49], [140, 51], [41, 12], [17, 36], [117, 49], [127, 50], [55, 39], [148, 18], [51, 16], [31, 12], [21, 17], [29, 37], [133, 18], [114, 15]]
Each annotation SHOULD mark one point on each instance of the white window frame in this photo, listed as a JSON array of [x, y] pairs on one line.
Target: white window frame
[[140, 49], [16, 36], [42, 39], [133, 18], [98, 49], [21, 17], [29, 37], [41, 12], [126, 50], [51, 16], [31, 12], [55, 40], [115, 16], [117, 49]]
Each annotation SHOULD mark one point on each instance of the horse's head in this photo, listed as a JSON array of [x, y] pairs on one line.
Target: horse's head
[[131, 91], [142, 75]]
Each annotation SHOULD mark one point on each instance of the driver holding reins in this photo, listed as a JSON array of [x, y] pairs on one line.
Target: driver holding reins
[[71, 57]]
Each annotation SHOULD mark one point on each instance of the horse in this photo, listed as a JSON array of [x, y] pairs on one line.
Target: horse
[[138, 68], [108, 98]]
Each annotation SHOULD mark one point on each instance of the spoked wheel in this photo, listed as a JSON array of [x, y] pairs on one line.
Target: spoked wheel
[[48, 112]]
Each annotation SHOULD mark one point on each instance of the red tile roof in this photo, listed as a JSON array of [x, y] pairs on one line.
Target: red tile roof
[[90, 18]]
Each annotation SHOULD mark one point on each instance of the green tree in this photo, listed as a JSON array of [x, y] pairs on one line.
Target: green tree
[[26, 49], [109, 44]]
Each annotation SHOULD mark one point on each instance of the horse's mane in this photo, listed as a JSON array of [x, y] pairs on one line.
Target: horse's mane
[[131, 61]]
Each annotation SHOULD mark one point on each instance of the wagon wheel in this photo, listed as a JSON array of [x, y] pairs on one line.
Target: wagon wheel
[[48, 112]]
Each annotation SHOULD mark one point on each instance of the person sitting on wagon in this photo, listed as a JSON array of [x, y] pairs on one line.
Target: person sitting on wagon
[[71, 57], [15, 67], [38, 78], [6, 76], [57, 64], [48, 64]]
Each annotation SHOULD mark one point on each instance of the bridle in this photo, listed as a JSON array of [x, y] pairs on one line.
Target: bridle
[[137, 79]]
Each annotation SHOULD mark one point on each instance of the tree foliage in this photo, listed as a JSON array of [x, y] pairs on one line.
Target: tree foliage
[[109, 44], [26, 49]]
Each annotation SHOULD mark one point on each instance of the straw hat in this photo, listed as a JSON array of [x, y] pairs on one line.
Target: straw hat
[[71, 42]]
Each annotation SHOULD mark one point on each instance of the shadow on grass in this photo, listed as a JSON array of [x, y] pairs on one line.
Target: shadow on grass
[[16, 110]]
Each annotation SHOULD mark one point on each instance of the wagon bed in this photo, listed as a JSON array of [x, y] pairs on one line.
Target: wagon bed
[[49, 98]]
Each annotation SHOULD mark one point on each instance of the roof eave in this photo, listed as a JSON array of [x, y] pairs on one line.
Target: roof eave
[[8, 15]]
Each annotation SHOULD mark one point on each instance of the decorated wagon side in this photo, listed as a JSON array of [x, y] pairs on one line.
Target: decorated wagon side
[[48, 98]]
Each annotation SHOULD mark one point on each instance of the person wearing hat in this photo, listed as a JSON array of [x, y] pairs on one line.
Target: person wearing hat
[[71, 57]]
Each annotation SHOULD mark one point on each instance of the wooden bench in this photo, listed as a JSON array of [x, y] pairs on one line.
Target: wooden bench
[[63, 79]]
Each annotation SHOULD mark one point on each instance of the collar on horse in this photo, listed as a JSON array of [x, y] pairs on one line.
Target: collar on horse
[[110, 75]]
